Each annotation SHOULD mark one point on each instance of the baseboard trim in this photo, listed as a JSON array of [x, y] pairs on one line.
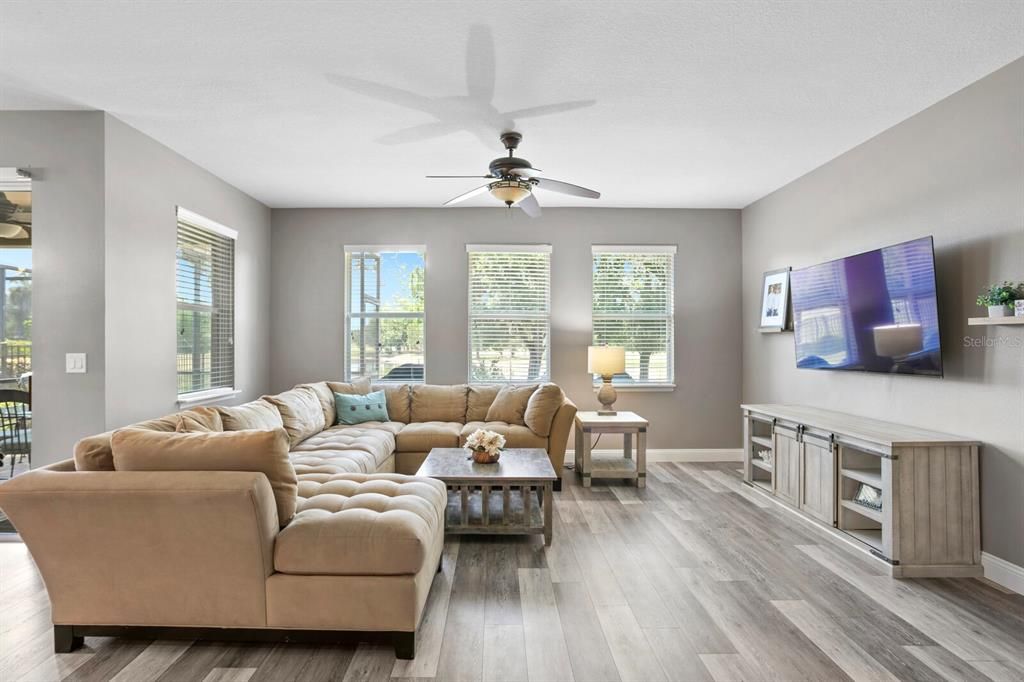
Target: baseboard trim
[[1003, 572], [675, 455]]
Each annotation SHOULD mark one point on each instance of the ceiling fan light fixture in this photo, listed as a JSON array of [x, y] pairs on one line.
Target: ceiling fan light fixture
[[510, 192]]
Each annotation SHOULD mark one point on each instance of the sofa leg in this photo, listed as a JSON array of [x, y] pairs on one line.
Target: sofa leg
[[440, 564], [405, 645], [64, 639]]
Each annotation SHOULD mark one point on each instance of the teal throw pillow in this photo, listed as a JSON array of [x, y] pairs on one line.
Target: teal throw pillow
[[356, 409]]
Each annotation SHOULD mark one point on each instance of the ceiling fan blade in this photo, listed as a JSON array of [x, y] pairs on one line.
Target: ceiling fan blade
[[479, 177], [468, 195], [530, 206], [566, 188], [526, 172]]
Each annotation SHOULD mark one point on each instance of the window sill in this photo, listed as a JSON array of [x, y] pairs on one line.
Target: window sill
[[202, 397], [640, 388]]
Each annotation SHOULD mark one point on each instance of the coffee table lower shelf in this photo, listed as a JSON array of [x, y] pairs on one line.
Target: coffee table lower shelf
[[511, 510]]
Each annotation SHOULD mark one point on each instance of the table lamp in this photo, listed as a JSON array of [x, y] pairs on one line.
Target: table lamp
[[606, 361]]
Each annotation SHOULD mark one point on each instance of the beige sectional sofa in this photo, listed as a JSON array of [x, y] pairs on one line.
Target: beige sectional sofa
[[329, 535]]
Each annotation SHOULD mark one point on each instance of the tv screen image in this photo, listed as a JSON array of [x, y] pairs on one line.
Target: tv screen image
[[873, 312]]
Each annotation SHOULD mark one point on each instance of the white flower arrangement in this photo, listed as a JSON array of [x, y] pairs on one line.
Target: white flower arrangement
[[486, 441]]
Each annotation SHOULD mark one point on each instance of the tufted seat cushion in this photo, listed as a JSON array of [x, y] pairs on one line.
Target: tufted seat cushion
[[516, 436], [362, 448], [354, 524], [422, 436]]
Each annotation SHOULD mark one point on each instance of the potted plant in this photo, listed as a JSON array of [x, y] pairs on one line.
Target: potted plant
[[999, 298]]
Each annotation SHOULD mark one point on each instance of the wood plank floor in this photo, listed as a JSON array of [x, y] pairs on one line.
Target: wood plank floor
[[693, 578]]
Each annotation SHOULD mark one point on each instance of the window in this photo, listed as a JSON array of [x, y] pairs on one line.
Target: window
[[384, 314], [205, 287], [632, 308], [509, 313]]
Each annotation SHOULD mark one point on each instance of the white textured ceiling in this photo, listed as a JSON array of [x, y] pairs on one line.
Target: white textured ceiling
[[694, 104]]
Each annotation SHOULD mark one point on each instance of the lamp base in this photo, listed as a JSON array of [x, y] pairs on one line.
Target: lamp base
[[606, 396], [606, 413]]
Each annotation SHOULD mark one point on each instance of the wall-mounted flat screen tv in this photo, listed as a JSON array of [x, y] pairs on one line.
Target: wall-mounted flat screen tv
[[873, 312]]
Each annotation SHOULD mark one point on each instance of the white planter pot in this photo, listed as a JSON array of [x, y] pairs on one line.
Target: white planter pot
[[999, 311]]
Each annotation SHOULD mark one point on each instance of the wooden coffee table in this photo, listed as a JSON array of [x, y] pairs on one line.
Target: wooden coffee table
[[510, 497]]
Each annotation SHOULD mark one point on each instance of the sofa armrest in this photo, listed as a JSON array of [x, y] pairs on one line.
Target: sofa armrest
[[175, 548], [561, 425]]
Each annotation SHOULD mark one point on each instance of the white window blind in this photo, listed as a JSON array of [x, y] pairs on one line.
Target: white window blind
[[509, 313], [205, 294], [384, 313], [633, 308]]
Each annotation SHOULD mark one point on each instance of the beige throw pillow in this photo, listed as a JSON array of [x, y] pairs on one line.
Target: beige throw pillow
[[92, 453], [258, 414], [397, 396], [200, 419], [541, 409], [479, 401], [326, 397], [510, 404], [360, 386], [301, 412], [261, 451]]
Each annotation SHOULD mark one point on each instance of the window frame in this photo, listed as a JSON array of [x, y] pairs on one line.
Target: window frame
[[347, 314], [507, 248], [669, 250], [196, 221]]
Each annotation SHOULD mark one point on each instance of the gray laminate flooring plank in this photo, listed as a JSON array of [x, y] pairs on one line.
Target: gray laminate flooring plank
[[370, 663], [461, 657], [729, 668], [230, 675], [505, 654], [430, 635], [945, 665], [630, 649], [547, 657], [675, 652], [588, 650], [152, 662]]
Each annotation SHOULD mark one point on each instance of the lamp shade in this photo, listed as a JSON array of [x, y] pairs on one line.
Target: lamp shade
[[606, 360]]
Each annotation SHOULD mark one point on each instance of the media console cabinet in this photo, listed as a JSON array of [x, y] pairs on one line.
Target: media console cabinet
[[928, 523]]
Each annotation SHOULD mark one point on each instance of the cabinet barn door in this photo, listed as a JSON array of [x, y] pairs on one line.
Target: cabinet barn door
[[817, 485], [787, 466]]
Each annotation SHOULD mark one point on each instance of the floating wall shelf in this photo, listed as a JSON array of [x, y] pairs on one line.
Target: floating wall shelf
[[993, 321]]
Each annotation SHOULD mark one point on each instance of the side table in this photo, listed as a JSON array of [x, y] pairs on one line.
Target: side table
[[626, 423]]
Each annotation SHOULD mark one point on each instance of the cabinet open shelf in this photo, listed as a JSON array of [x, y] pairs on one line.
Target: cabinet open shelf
[[763, 441], [871, 537], [761, 464], [873, 477], [866, 512]]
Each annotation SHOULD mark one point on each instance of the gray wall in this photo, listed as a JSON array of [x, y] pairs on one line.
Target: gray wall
[[308, 294], [145, 182], [955, 171], [65, 151]]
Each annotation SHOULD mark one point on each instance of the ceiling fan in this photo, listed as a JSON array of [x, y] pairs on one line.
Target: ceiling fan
[[512, 181]]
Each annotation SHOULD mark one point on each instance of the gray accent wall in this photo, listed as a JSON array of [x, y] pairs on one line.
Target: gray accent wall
[[64, 149], [145, 182], [702, 412], [955, 171]]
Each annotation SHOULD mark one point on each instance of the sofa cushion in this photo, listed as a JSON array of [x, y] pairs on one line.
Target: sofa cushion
[[541, 408], [359, 386], [352, 524], [200, 419], [479, 400], [92, 453], [258, 414], [326, 397], [398, 401], [357, 409], [510, 404], [261, 451], [372, 439], [516, 435], [422, 436], [301, 413], [432, 403]]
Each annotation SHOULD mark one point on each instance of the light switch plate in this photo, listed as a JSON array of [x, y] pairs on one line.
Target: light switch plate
[[74, 363]]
